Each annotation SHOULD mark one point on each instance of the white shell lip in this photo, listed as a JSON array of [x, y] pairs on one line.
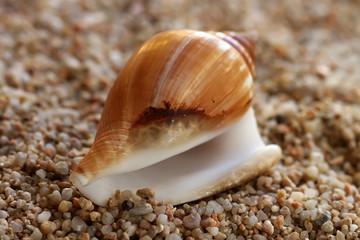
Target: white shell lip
[[226, 161]]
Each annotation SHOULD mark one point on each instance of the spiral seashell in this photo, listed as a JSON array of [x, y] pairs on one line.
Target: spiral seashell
[[180, 89]]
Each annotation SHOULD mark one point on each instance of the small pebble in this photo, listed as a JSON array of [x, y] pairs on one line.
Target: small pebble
[[3, 225], [141, 210], [339, 235], [173, 236], [259, 237], [268, 227], [66, 193], [311, 173], [41, 173], [159, 210], [310, 193], [327, 227], [107, 218], [218, 209], [65, 206], [44, 216], [3, 214], [54, 197], [86, 204], [353, 227], [146, 193], [261, 215], [131, 230], [310, 204], [150, 217], [192, 221], [253, 220], [83, 236], [17, 227], [162, 219], [212, 230], [297, 196], [36, 234], [94, 216], [275, 208], [77, 224], [279, 222], [105, 229], [62, 168], [47, 227]]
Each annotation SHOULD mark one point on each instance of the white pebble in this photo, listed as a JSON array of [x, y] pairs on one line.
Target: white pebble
[[62, 168], [159, 210], [41, 173], [3, 225], [218, 209], [350, 199], [131, 230], [146, 237], [173, 236], [150, 217], [353, 227], [275, 208], [66, 193], [313, 214], [17, 227], [327, 227], [310, 204], [311, 172], [36, 234], [55, 197], [77, 224], [177, 221], [2, 203], [208, 211], [3, 214], [205, 236], [268, 227], [125, 225], [297, 196], [192, 221], [105, 229], [311, 193], [162, 219], [44, 216], [339, 235], [226, 205], [26, 196], [287, 220], [261, 215], [116, 57], [107, 218], [253, 220], [71, 62], [317, 157], [212, 230], [141, 210]]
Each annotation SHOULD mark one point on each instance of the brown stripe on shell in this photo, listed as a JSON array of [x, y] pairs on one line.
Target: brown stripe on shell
[[152, 114]]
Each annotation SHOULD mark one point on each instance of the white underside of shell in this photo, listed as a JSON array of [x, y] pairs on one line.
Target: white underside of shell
[[229, 159]]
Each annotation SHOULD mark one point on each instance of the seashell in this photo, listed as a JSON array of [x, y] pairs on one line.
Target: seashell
[[160, 122]]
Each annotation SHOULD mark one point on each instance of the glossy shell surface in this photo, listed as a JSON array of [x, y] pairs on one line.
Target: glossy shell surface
[[180, 89]]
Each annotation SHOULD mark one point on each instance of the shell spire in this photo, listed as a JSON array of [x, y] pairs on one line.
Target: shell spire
[[244, 43]]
